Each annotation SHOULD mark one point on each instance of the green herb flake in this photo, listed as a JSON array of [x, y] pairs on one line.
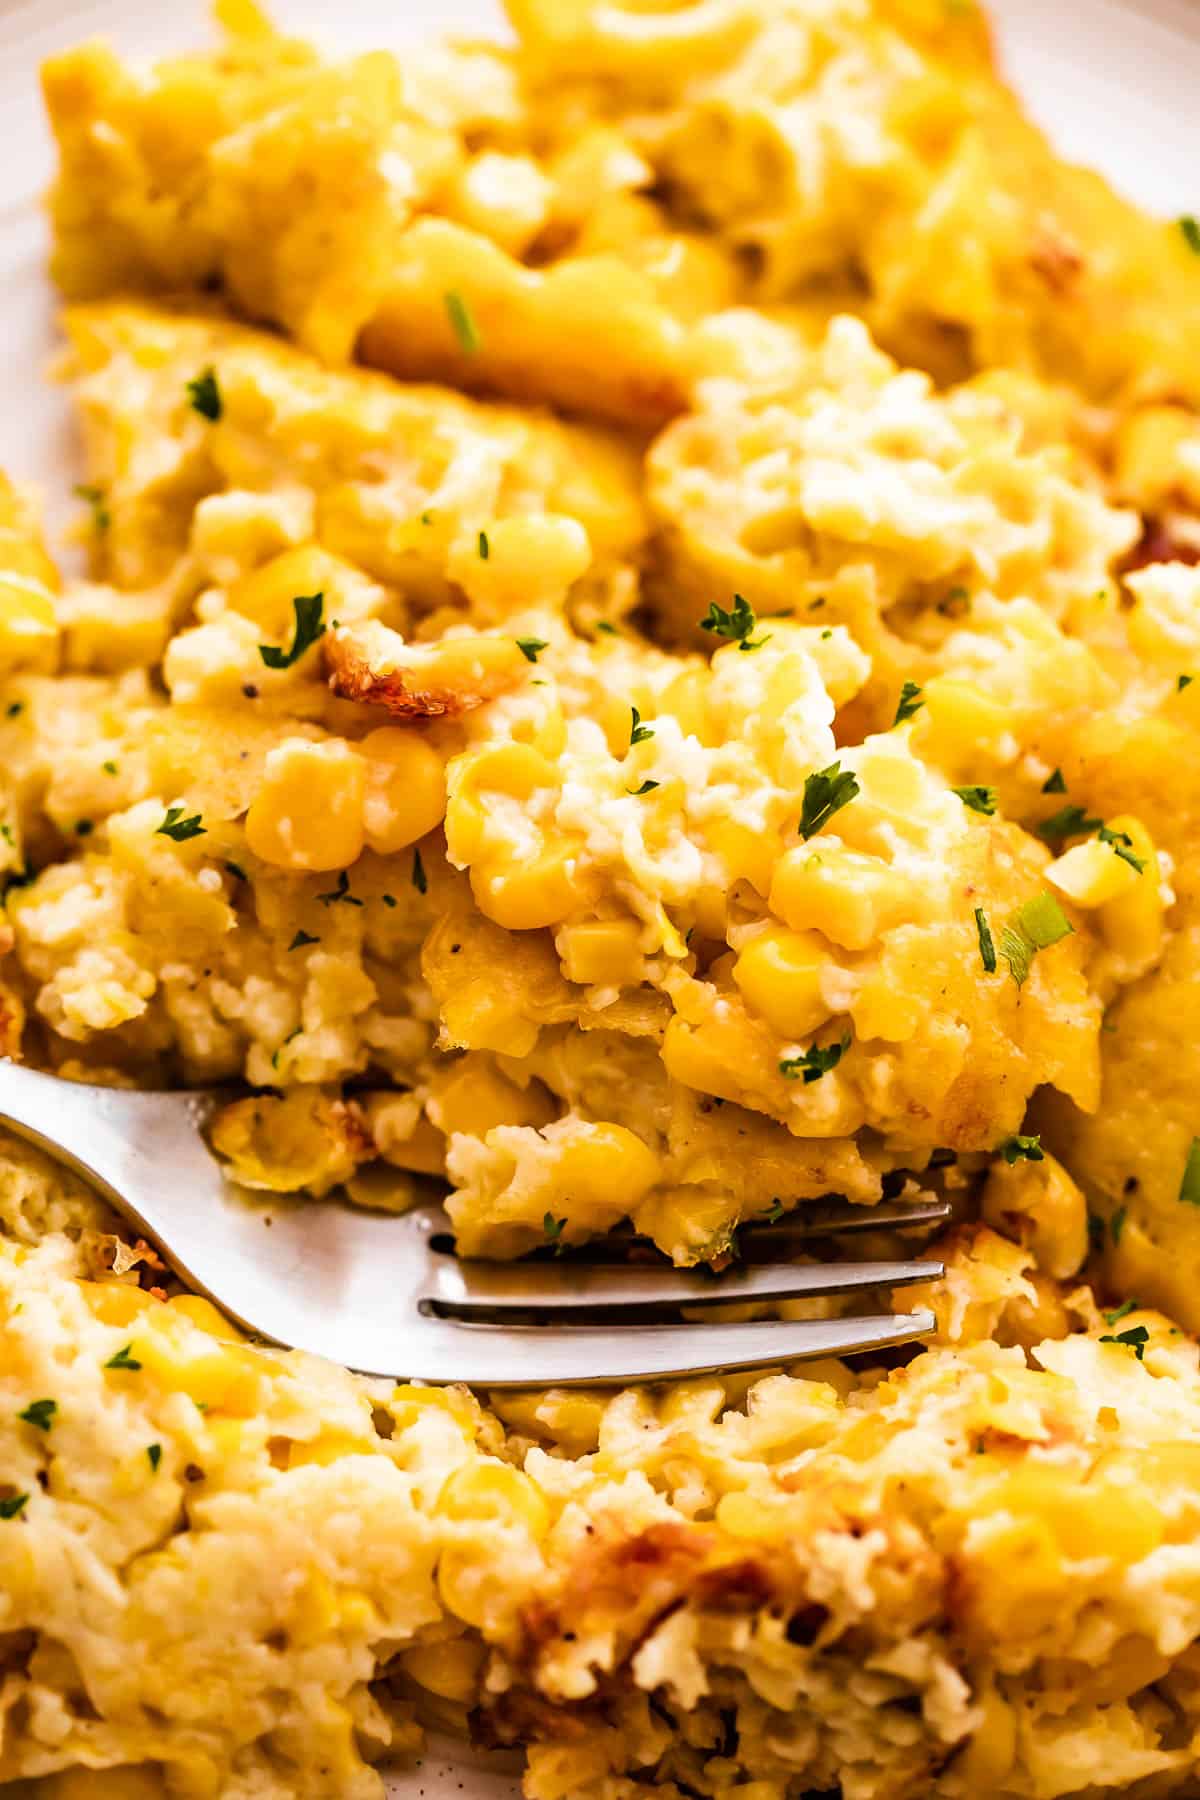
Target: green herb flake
[[647, 787], [1122, 1312], [1043, 921], [463, 322], [1116, 1225], [110, 768], [1122, 845], [123, 1359], [1191, 233], [815, 1062], [738, 624], [340, 894], [310, 626], [301, 939], [825, 793], [419, 878], [553, 1229], [204, 395], [175, 825], [638, 733], [1056, 783], [603, 626], [1018, 1148], [531, 648], [39, 1413], [13, 708], [1071, 821], [16, 1503], [909, 704], [485, 549], [6, 832], [1189, 1187], [1135, 1339], [388, 899], [154, 1456], [774, 1212], [1183, 681], [978, 799], [1018, 953], [96, 499]]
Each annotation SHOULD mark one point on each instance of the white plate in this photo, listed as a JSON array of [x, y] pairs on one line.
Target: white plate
[[1112, 80]]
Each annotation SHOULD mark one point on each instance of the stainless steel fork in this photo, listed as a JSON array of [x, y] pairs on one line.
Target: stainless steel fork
[[385, 1294]]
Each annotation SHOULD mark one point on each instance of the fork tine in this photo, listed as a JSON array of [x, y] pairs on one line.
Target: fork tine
[[510, 1356], [462, 1289], [832, 1218]]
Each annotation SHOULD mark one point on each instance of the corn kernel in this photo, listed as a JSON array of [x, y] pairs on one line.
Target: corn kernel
[[1133, 921], [958, 721], [517, 770], [1146, 446], [748, 855], [849, 896], [494, 1493], [406, 789], [601, 952], [308, 811], [1091, 874], [779, 974], [470, 1094], [117, 1303], [526, 896], [531, 562], [266, 594], [203, 1313], [28, 625], [450, 1669]]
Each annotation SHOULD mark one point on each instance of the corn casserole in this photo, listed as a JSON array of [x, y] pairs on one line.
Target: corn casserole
[[632, 655]]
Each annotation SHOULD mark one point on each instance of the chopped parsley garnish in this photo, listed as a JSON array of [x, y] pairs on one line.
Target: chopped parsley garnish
[[123, 1359], [340, 893], [1182, 682], [1135, 1339], [15, 1504], [774, 1212], [40, 1413], [1116, 1225], [95, 497], [237, 871], [176, 826], [825, 793], [301, 939], [1055, 784], [309, 627], [293, 1033], [204, 396], [110, 768], [1071, 821], [910, 702], [608, 630], [1029, 1148], [154, 1454], [463, 321], [485, 549], [553, 1229], [1122, 1312], [531, 648], [1122, 844], [1189, 1187], [388, 899], [815, 1062], [738, 625], [419, 878], [13, 708], [647, 787], [978, 799], [638, 733], [1191, 233]]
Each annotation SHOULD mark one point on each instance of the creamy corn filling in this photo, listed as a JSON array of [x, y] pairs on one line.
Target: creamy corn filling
[[638, 665]]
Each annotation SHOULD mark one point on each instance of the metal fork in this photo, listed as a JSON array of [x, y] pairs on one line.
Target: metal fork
[[385, 1294]]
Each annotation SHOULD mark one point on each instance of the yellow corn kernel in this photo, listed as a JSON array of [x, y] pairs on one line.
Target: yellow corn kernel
[[115, 1302], [779, 974], [851, 897], [959, 719], [470, 1094], [494, 1493], [329, 1446], [308, 811], [227, 1380], [748, 855], [517, 770], [28, 625], [266, 593], [449, 1669], [203, 1313], [406, 789], [686, 699], [601, 952], [409, 1402], [1091, 874], [525, 896], [531, 562], [1146, 453], [1132, 922]]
